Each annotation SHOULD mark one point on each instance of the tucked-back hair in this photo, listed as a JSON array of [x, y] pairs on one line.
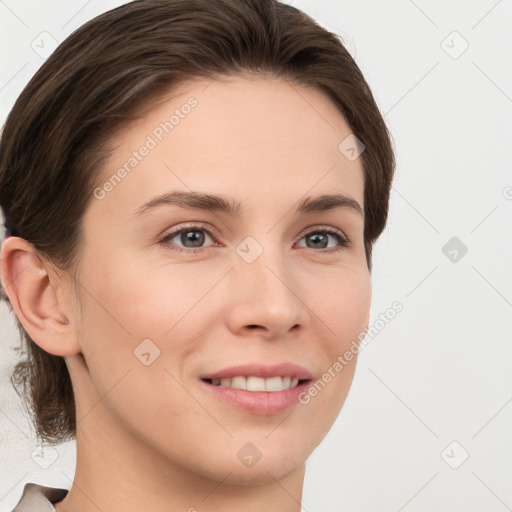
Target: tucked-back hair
[[106, 73]]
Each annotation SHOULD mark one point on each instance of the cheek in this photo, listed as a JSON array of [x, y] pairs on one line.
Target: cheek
[[342, 313], [126, 306], [343, 307], [123, 310], [141, 302]]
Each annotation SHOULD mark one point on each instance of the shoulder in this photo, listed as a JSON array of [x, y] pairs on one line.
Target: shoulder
[[39, 498]]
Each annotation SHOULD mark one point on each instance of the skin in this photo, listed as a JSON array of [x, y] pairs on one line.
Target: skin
[[149, 437]]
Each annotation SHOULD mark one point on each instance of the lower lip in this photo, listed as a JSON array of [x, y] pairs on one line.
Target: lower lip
[[264, 403]]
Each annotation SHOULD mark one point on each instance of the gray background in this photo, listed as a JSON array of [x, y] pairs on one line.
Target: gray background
[[434, 386]]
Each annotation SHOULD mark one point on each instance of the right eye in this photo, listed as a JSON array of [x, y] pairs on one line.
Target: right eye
[[188, 235]]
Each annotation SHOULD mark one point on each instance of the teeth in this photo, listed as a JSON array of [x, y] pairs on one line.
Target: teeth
[[257, 383], [254, 383], [238, 382]]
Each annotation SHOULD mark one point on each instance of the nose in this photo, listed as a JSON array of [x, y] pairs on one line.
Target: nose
[[267, 299]]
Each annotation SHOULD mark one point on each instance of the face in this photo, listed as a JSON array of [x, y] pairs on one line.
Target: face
[[177, 290]]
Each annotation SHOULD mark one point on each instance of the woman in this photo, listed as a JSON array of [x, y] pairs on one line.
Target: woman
[[192, 190]]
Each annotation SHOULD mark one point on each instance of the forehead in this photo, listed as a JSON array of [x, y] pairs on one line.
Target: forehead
[[244, 135]]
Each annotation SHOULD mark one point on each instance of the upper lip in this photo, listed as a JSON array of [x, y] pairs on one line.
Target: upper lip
[[260, 370]]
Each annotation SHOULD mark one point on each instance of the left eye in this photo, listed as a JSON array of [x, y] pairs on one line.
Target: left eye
[[193, 238], [319, 238]]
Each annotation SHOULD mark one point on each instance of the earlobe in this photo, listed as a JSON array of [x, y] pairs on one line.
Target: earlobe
[[27, 283]]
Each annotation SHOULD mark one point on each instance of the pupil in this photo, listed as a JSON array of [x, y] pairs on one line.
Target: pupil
[[320, 238], [196, 237]]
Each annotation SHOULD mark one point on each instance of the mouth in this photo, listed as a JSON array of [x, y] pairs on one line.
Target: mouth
[[258, 384], [258, 388], [262, 396]]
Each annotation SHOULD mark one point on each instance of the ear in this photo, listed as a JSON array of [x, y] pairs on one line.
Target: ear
[[36, 295]]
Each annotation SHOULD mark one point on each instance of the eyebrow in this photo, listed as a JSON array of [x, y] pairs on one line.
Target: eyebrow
[[233, 208]]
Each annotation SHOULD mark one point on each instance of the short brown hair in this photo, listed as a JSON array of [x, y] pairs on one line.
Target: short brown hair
[[57, 135]]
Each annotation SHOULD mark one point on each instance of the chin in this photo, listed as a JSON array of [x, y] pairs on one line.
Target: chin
[[228, 467], [262, 474]]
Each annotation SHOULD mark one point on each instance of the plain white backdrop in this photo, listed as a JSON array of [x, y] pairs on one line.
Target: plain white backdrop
[[427, 423]]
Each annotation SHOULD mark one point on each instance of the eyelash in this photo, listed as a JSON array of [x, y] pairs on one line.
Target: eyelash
[[343, 240]]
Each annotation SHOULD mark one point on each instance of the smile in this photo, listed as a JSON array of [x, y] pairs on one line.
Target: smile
[[253, 383]]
